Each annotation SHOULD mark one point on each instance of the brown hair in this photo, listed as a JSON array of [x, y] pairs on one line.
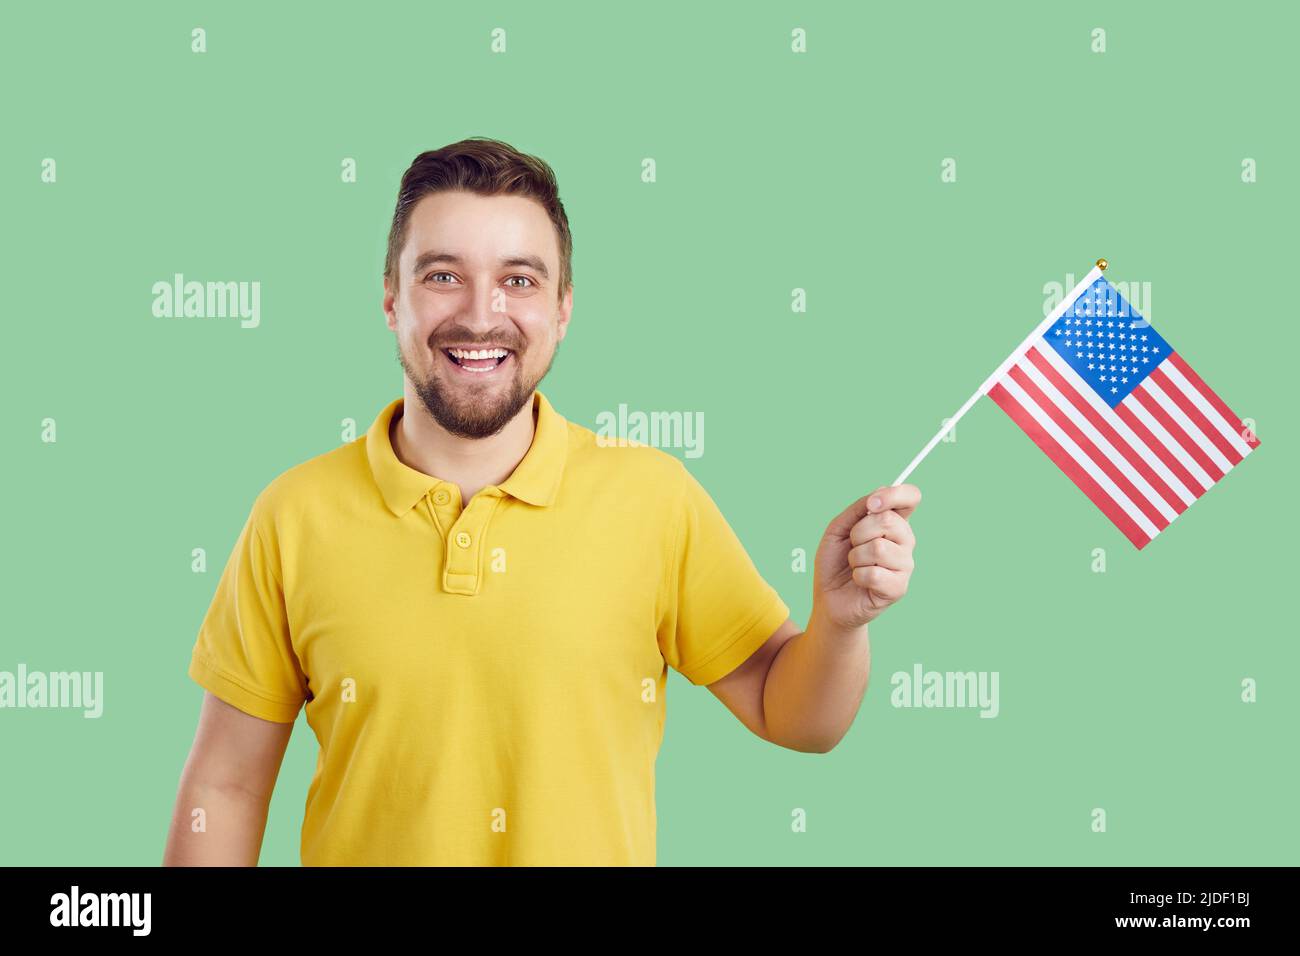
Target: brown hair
[[487, 167]]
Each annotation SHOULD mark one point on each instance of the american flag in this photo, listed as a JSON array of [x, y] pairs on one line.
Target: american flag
[[1121, 413]]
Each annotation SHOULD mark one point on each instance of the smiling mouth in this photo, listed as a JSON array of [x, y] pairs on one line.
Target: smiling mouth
[[478, 361]]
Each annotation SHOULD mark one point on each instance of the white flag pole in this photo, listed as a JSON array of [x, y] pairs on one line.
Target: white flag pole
[[1010, 360]]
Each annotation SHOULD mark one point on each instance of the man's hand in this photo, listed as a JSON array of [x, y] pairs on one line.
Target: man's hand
[[802, 690], [864, 561]]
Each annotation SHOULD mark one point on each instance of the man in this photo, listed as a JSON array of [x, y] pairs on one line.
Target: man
[[478, 601]]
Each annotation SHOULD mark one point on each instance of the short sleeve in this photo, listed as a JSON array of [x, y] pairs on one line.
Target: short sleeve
[[719, 609], [243, 654]]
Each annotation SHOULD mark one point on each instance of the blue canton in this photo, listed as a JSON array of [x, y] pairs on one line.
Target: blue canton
[[1107, 342]]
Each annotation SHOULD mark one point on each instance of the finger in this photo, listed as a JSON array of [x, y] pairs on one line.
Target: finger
[[881, 552], [901, 498], [843, 523], [885, 584], [886, 524]]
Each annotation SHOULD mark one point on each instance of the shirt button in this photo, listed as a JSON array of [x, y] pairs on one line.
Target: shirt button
[[462, 539], [440, 497]]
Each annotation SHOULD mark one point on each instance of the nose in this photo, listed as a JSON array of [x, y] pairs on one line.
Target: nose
[[486, 295], [480, 320]]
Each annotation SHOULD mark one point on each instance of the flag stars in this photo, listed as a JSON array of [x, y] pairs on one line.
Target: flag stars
[[1111, 372]]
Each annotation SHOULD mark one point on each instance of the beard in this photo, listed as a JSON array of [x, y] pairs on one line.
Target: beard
[[470, 411]]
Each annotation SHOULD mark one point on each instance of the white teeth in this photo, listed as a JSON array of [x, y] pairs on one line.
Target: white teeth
[[478, 353]]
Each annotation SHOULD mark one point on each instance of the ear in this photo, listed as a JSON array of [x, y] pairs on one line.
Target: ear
[[566, 308], [390, 296]]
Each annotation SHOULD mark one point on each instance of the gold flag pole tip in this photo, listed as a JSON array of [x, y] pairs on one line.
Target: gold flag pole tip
[[1101, 264]]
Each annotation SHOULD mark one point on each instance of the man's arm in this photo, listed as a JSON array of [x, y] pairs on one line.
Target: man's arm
[[230, 775], [801, 690], [742, 690]]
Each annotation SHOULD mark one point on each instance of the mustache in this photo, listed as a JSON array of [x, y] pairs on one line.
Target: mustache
[[472, 343]]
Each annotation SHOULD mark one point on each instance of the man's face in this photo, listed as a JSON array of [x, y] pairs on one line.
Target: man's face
[[477, 273]]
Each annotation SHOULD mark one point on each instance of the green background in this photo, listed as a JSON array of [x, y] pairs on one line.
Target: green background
[[776, 171]]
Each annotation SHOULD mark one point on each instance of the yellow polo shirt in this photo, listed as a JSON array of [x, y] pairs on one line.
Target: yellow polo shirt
[[486, 682]]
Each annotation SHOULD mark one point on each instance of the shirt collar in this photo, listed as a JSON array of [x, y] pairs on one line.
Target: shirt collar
[[536, 479]]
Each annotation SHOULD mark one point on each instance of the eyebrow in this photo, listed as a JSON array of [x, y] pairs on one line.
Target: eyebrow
[[426, 259]]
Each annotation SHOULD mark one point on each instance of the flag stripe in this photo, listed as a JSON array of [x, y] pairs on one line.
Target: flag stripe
[[1225, 427], [1147, 401], [1114, 467], [1202, 424], [1164, 445], [1234, 420], [1104, 417], [1081, 459], [1067, 464], [1189, 427], [1165, 502]]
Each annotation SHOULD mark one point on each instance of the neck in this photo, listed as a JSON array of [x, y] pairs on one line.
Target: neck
[[469, 463]]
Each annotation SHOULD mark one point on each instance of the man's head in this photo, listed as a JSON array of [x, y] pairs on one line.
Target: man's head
[[479, 258]]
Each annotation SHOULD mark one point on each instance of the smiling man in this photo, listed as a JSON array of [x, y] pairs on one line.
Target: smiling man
[[478, 601]]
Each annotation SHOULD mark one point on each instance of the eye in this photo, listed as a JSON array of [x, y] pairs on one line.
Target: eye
[[432, 274], [523, 277]]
